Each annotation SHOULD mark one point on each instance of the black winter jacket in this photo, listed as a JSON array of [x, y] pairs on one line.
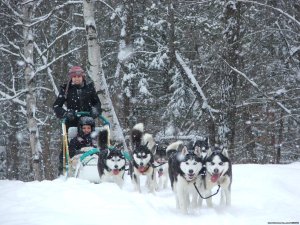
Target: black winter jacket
[[78, 99], [79, 142]]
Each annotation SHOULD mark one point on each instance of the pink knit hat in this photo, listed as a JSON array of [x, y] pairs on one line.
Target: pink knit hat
[[76, 71]]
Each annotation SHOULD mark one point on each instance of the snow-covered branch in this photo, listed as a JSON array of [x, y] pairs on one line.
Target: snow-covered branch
[[20, 54], [45, 17], [6, 97], [112, 9], [261, 91], [35, 6], [49, 71], [195, 83], [73, 29], [14, 12], [41, 68], [179, 137], [274, 8], [2, 48]]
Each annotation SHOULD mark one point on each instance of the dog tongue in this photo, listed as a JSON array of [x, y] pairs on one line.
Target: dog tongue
[[115, 171], [142, 169], [160, 173], [214, 178]]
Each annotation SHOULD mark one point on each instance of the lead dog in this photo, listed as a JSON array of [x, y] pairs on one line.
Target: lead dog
[[184, 169], [142, 158], [218, 172]]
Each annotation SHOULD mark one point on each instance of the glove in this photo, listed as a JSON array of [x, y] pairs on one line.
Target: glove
[[94, 112], [70, 115]]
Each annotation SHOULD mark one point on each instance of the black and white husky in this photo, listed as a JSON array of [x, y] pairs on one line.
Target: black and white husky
[[111, 166], [218, 172], [161, 165], [142, 158], [184, 169], [203, 146], [111, 162]]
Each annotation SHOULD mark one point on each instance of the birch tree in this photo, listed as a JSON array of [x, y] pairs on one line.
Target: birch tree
[[96, 70], [32, 56], [35, 144]]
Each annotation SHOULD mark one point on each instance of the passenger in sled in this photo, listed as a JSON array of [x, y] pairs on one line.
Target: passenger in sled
[[77, 96], [86, 136], [83, 149]]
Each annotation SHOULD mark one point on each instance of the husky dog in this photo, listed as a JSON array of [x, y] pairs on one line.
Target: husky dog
[[138, 137], [203, 146], [142, 158], [161, 165], [184, 169], [111, 166], [218, 172], [111, 162]]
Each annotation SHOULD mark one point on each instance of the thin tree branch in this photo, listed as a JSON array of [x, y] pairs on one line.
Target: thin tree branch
[[195, 83], [274, 8], [286, 110]]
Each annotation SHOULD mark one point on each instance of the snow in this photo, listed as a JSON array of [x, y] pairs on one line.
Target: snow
[[248, 122], [260, 194], [20, 63], [125, 54]]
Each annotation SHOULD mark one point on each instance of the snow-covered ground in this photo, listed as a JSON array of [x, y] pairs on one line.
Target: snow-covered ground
[[261, 194]]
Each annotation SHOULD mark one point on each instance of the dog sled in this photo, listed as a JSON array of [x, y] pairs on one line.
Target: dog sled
[[84, 164]]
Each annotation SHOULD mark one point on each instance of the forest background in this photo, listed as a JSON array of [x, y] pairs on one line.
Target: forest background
[[224, 69]]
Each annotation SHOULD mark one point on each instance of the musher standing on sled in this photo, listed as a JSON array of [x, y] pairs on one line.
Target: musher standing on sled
[[78, 96]]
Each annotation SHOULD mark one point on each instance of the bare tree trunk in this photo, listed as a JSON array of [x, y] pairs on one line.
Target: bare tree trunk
[[171, 34], [229, 81], [96, 71], [271, 115], [30, 96], [280, 138], [249, 140], [47, 164], [12, 157], [125, 45]]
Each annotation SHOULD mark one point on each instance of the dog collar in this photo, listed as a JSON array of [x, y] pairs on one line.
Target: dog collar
[[143, 170]]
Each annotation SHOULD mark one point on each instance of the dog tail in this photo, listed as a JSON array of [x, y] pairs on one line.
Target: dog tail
[[149, 140], [137, 133], [103, 138], [172, 148]]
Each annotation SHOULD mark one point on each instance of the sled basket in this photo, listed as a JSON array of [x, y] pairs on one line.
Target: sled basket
[[71, 133]]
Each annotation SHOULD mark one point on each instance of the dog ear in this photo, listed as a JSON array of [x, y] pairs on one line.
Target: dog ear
[[150, 141], [184, 150], [155, 149], [146, 145], [207, 140], [197, 151], [225, 151], [108, 151], [209, 152], [180, 147]]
